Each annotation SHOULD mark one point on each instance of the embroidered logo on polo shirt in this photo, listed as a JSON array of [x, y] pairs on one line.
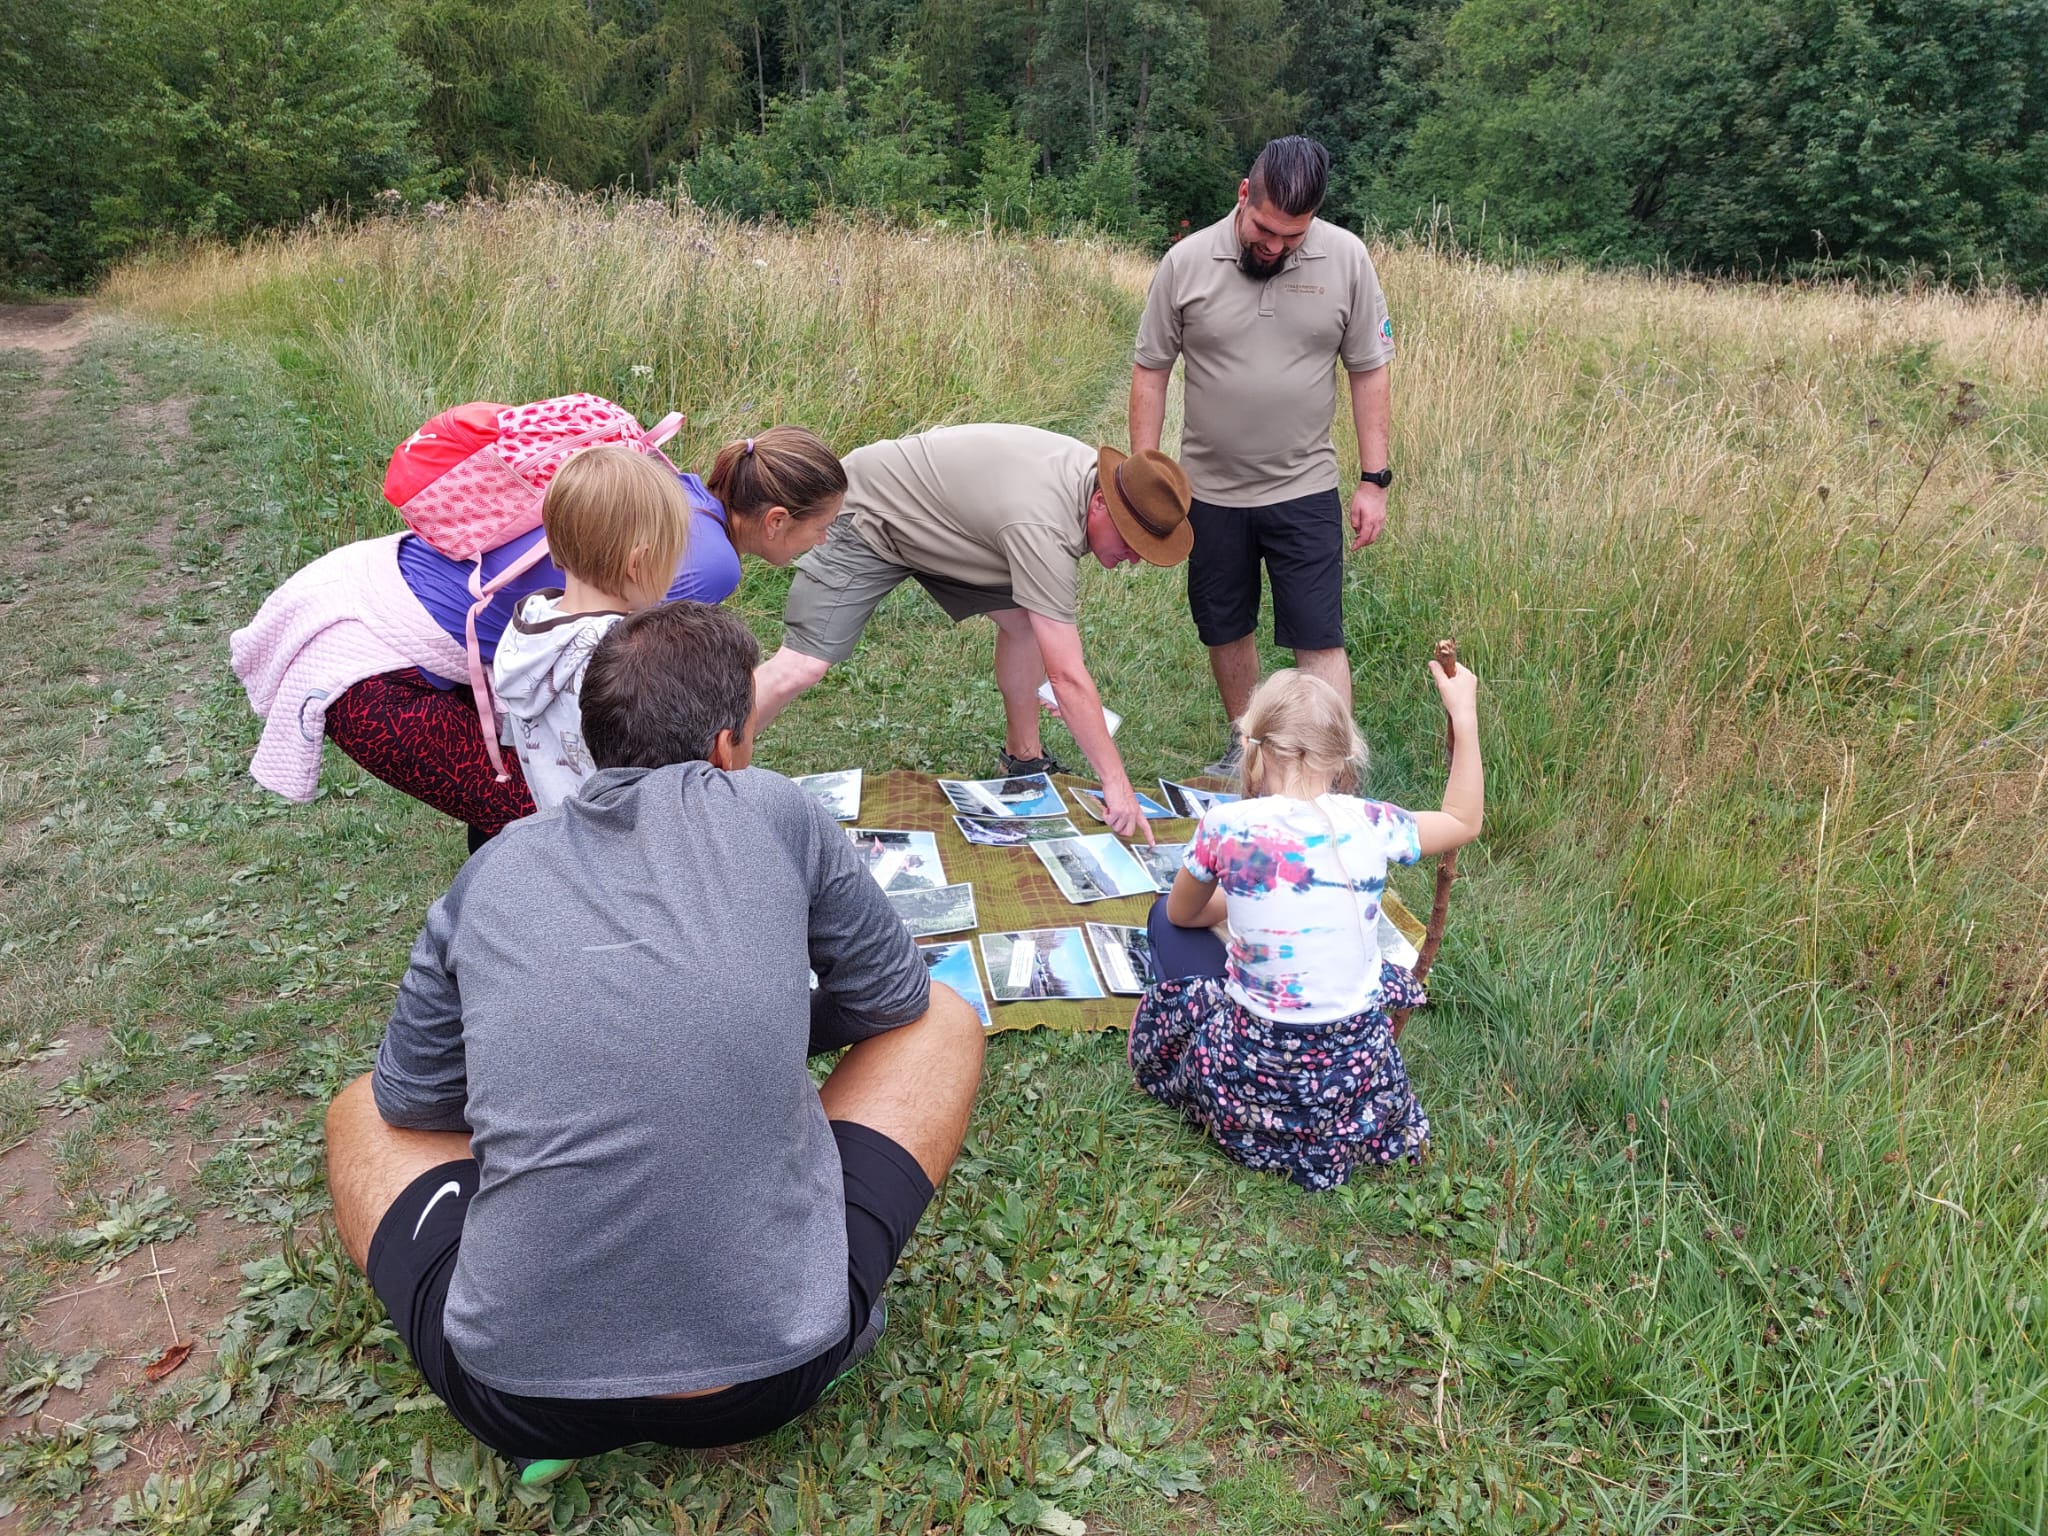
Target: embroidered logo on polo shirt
[[1302, 288], [1387, 328]]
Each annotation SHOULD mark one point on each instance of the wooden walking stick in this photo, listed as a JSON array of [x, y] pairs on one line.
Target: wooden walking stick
[[1446, 864]]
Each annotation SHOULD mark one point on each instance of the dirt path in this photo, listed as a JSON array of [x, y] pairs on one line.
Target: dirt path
[[53, 330]]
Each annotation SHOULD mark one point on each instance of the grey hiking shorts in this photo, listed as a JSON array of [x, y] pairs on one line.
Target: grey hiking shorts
[[841, 583]]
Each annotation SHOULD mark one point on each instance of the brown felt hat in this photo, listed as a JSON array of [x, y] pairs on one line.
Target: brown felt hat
[[1147, 495]]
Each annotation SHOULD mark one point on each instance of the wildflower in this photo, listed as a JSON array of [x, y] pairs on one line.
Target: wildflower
[[642, 371]]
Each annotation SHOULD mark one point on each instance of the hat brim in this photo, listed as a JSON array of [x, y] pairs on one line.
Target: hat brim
[[1150, 548]]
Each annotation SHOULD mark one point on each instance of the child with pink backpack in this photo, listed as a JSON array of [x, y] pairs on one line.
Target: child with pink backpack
[[385, 646]]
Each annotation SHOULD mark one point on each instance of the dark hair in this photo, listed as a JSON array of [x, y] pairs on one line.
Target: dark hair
[[784, 467], [1291, 175], [664, 682]]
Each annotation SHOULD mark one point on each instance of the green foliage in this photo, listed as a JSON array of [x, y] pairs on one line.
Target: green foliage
[[513, 88], [194, 118], [1759, 136]]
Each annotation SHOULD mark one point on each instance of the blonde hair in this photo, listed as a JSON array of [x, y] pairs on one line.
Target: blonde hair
[[788, 467], [1301, 719], [608, 501]]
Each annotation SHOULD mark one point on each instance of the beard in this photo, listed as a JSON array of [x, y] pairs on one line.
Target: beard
[[1249, 264]]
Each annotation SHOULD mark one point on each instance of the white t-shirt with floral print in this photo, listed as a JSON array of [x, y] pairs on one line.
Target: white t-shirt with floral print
[[1305, 940]]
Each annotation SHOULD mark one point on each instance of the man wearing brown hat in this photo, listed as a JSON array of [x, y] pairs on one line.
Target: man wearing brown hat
[[989, 519]]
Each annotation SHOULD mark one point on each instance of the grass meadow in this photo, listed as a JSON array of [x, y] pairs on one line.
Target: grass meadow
[[1736, 1217]]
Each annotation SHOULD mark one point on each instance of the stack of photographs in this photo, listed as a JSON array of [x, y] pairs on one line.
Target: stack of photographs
[[935, 909], [1125, 955], [1191, 802], [1162, 861], [1094, 868], [1027, 794], [954, 965], [1039, 963], [1014, 831], [899, 861], [838, 792], [1090, 800]]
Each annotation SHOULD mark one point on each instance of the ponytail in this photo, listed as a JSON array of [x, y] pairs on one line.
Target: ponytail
[[784, 467], [1293, 715]]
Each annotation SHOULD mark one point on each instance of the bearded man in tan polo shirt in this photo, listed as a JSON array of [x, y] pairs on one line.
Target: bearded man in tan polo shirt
[[990, 519], [1263, 305]]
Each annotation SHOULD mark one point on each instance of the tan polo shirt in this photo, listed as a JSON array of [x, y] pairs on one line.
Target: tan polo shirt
[[1261, 375], [990, 506]]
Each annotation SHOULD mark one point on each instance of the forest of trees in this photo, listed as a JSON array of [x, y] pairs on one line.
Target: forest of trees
[[1741, 136]]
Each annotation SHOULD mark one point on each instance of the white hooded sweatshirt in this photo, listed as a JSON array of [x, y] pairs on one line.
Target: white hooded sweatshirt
[[538, 677]]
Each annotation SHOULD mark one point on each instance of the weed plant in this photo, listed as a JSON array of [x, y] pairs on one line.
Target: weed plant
[[1737, 1210]]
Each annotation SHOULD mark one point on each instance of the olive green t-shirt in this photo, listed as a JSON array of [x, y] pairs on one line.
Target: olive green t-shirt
[[991, 505], [1261, 356]]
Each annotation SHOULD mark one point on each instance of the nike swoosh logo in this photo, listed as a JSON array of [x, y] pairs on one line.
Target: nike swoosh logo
[[450, 1188]]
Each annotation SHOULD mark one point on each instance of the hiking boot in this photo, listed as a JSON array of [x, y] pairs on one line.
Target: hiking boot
[[1231, 763], [540, 1472], [1008, 767]]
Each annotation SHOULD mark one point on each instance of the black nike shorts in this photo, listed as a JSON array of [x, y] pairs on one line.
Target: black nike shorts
[[1301, 543], [886, 1193]]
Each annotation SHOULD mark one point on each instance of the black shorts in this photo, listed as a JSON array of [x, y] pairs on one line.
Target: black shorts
[[886, 1193], [1302, 544]]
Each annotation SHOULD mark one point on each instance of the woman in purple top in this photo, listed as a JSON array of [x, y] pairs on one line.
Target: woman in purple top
[[771, 496]]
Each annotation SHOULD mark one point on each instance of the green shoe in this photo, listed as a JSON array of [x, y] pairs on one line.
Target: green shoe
[[538, 1474]]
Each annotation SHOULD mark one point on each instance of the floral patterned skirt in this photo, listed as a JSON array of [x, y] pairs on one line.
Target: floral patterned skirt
[[1310, 1101]]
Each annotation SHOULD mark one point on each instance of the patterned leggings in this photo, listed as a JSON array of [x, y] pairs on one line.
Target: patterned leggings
[[427, 742]]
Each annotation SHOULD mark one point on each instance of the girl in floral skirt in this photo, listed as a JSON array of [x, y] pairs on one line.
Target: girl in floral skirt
[[1278, 1043]]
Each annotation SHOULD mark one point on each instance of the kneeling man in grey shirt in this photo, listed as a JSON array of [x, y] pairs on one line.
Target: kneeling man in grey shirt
[[590, 1177]]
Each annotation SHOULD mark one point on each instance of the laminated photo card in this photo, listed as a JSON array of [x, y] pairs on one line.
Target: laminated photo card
[[954, 965], [1125, 955], [1046, 963], [899, 861], [1028, 794], [838, 792], [1093, 868], [1014, 831], [1162, 861], [942, 909], [1090, 800], [1191, 802]]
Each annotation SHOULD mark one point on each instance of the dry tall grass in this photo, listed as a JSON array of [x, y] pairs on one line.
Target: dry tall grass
[[1730, 556], [1758, 589]]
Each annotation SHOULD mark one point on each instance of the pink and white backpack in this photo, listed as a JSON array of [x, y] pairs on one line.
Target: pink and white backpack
[[474, 478]]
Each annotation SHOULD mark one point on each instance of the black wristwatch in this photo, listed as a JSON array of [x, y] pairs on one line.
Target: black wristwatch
[[1379, 477]]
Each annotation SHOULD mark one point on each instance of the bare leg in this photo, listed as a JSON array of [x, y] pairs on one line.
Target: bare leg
[[1019, 671], [916, 1084], [1333, 667], [780, 679], [369, 1164], [1236, 666]]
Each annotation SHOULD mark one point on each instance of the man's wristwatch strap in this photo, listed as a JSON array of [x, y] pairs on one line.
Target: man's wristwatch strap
[[1379, 477]]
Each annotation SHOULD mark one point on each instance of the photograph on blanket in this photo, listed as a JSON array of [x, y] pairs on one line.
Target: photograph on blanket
[[1014, 831], [1027, 794], [899, 860], [1039, 963], [838, 792], [941, 909], [1124, 955], [1161, 860], [1090, 800], [1191, 802], [954, 965], [1093, 868]]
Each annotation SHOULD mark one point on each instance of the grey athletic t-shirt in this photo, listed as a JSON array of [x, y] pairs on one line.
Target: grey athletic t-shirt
[[613, 999]]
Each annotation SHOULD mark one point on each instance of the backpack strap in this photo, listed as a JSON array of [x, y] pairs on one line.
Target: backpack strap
[[480, 685], [664, 429]]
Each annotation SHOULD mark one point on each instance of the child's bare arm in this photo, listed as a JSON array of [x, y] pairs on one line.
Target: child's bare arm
[[1465, 794], [1193, 903]]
